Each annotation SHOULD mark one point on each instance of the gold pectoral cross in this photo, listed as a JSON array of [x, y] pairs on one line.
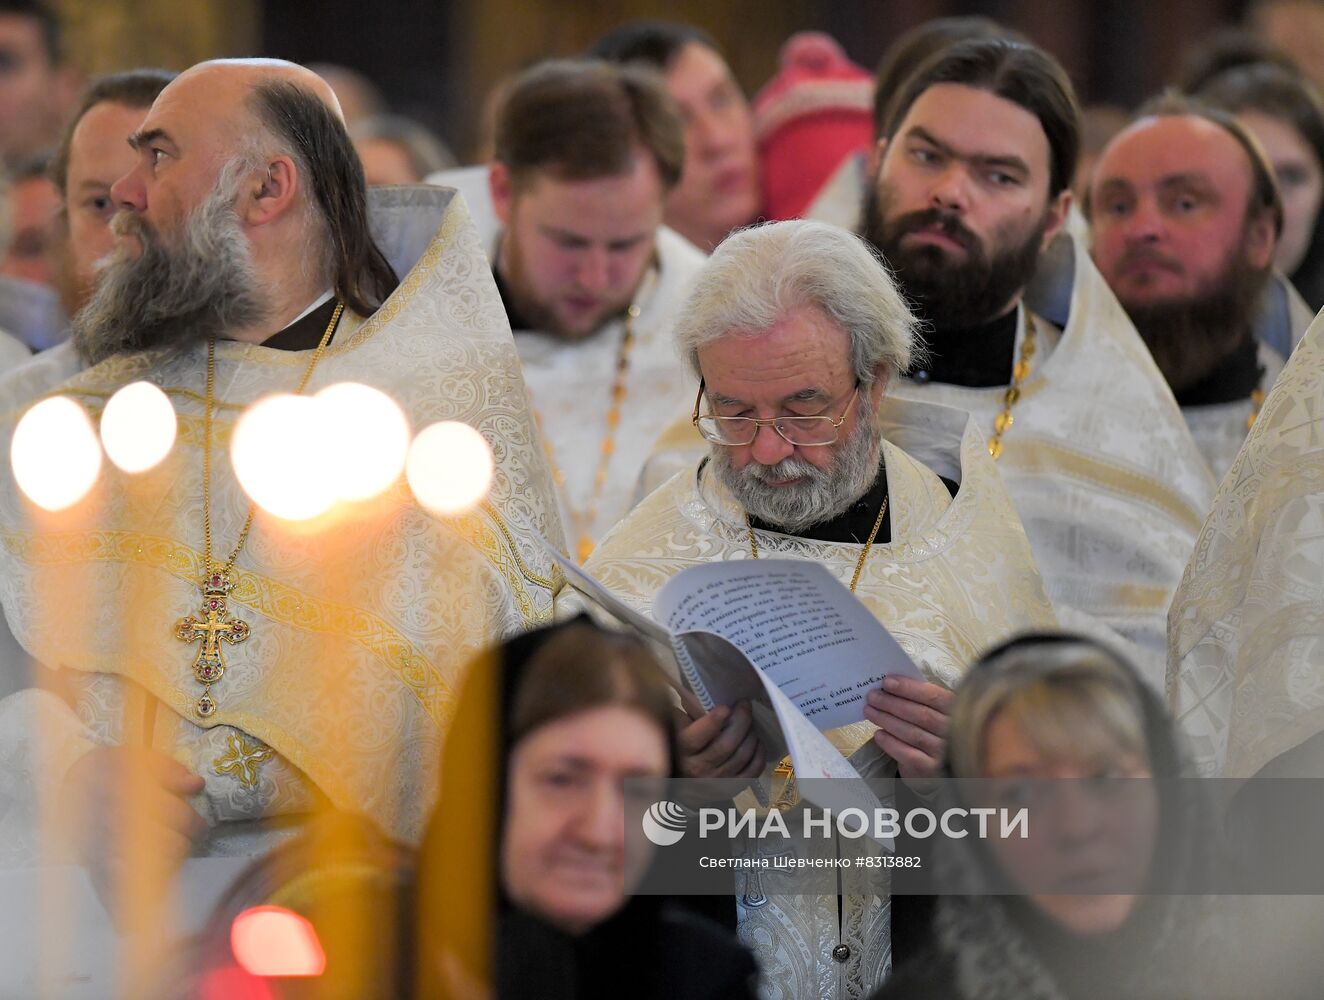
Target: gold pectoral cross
[[214, 627]]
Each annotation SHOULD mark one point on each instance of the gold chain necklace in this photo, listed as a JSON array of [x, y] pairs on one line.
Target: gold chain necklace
[[1019, 373], [582, 520], [859, 566], [216, 625]]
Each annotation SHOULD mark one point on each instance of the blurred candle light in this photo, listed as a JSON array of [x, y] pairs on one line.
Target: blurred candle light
[[55, 453], [449, 468], [274, 941], [282, 456], [138, 427], [370, 434]]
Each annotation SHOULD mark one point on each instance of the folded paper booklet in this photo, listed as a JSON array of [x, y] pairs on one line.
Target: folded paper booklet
[[782, 633]]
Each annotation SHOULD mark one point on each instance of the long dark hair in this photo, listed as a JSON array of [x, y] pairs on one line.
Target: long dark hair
[[1016, 72], [918, 45], [360, 274]]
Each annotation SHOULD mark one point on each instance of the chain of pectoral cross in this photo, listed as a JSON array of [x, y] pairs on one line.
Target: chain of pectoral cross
[[215, 626]]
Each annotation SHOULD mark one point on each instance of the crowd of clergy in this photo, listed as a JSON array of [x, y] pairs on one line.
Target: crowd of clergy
[[1042, 385]]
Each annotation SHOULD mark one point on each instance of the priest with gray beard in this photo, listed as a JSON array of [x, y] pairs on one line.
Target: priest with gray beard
[[246, 265], [793, 333]]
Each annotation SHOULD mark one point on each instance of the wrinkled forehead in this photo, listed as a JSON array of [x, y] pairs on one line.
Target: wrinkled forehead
[[804, 345], [1163, 150], [203, 112]]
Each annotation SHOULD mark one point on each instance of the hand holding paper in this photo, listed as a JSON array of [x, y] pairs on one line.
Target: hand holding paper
[[720, 744], [912, 717]]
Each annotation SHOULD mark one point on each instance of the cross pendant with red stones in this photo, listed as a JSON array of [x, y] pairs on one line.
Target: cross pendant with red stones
[[210, 630]]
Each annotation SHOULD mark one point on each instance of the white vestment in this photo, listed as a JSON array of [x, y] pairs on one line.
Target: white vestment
[[1220, 428], [840, 200], [956, 577], [13, 352], [1246, 656], [1109, 484], [358, 623], [571, 382]]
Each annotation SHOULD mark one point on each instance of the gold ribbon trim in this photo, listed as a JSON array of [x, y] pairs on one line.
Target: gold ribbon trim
[[275, 601], [1043, 457]]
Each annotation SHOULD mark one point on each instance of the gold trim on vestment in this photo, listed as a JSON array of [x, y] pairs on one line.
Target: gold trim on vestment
[[528, 574], [189, 429], [94, 409], [275, 601], [1041, 456], [1138, 595]]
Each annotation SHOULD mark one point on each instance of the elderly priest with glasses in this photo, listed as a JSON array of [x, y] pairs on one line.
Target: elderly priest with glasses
[[794, 330]]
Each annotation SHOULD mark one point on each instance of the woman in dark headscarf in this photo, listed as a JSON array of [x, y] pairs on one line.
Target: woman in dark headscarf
[[1089, 905], [521, 886], [531, 827]]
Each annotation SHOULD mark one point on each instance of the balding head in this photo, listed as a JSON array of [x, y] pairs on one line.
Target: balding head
[[283, 118], [226, 79], [246, 162], [1175, 197], [1183, 238]]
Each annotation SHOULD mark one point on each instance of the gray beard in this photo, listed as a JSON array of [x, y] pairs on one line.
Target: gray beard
[[821, 494], [174, 295]]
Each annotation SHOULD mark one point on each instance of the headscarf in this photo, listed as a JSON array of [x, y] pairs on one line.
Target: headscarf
[[458, 878], [1003, 946]]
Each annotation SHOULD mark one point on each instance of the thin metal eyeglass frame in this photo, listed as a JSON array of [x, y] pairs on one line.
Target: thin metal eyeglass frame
[[772, 422]]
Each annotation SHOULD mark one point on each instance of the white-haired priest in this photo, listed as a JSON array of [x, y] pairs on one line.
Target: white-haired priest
[[793, 331]]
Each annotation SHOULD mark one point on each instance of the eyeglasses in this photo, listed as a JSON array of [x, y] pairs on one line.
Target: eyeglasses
[[740, 431]]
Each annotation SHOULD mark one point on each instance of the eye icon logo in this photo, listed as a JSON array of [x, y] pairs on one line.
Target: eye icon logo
[[664, 823]]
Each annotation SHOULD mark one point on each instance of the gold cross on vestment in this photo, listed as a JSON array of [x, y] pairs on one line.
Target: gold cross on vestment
[[242, 760], [214, 626]]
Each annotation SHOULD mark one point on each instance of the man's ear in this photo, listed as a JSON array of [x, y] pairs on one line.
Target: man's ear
[[876, 156], [501, 186], [275, 192], [1261, 241], [1058, 210]]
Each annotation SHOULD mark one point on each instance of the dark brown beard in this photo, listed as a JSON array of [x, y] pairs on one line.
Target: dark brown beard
[[1190, 338], [951, 295]]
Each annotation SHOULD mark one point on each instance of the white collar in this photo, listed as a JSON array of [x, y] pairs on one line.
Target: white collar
[[316, 302]]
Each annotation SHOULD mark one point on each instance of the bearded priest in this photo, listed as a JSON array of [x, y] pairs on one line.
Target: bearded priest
[[794, 330], [245, 266], [968, 201]]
